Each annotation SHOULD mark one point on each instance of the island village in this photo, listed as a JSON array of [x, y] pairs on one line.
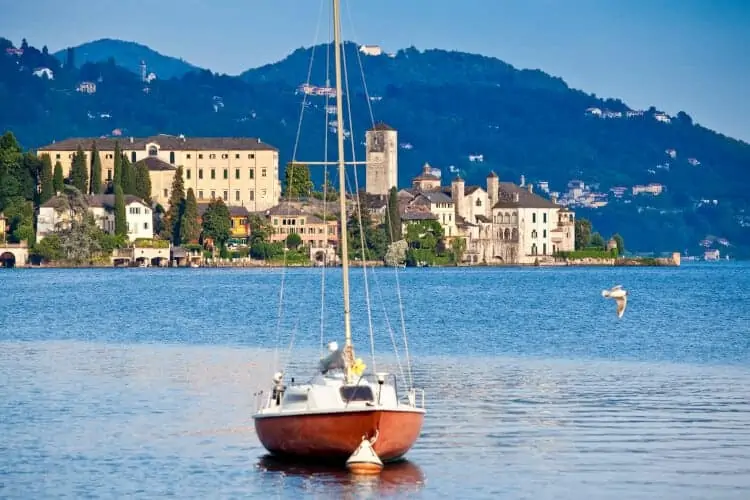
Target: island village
[[498, 223]]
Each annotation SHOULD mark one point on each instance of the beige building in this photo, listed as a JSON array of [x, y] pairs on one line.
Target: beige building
[[504, 223], [242, 171], [381, 173]]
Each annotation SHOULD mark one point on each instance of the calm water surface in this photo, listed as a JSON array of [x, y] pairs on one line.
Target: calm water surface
[[139, 382]]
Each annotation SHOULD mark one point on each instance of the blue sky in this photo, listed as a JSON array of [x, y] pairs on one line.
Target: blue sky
[[691, 55]]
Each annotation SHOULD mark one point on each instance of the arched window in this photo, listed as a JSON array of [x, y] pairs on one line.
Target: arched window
[[515, 218], [507, 218], [153, 151], [479, 202], [514, 234], [544, 249], [533, 249], [534, 234], [507, 234]]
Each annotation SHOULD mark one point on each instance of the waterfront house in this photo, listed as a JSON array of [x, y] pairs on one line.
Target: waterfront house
[[316, 233], [54, 216], [504, 223]]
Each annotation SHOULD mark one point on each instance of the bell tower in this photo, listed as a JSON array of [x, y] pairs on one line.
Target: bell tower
[[382, 159]]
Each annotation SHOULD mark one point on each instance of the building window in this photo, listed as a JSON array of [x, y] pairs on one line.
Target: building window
[[145, 225], [533, 218], [132, 157], [533, 234], [224, 156], [200, 156], [226, 195], [252, 195], [252, 173], [533, 249], [236, 196], [213, 173], [251, 156], [544, 249], [153, 151], [200, 173], [262, 193], [109, 174], [200, 194], [237, 156], [57, 156], [166, 193], [212, 156], [171, 157], [213, 194], [226, 173], [544, 233], [236, 173], [263, 172], [187, 174], [479, 202], [544, 217], [188, 156]]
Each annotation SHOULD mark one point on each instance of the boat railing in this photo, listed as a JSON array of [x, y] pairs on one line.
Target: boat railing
[[412, 396]]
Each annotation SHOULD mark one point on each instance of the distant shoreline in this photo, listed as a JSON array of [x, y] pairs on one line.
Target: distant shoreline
[[627, 262]]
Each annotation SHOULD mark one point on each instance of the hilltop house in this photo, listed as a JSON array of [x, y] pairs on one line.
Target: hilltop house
[[138, 215], [504, 223]]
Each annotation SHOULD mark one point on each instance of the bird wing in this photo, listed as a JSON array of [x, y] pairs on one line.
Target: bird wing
[[622, 303], [616, 287]]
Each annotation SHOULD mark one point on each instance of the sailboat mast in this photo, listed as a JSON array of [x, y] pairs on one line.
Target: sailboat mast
[[342, 182]]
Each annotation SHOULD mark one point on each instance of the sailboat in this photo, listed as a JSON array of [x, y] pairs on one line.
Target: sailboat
[[342, 407]]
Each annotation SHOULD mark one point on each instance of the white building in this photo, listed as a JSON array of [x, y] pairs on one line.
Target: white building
[[44, 72], [371, 50], [505, 223], [52, 216]]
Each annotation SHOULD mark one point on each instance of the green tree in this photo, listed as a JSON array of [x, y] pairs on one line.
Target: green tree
[[297, 182], [121, 223], [293, 241], [20, 215], [190, 229], [394, 217], [597, 241], [216, 223], [375, 239], [49, 249], [46, 181], [620, 243], [173, 218], [117, 174], [96, 170], [458, 248], [11, 167], [58, 180], [128, 177], [142, 182], [79, 176], [582, 233]]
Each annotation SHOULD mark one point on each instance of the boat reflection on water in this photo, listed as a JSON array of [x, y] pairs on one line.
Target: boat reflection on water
[[397, 477]]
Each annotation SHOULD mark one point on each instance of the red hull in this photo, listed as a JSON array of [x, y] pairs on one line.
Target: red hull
[[335, 436]]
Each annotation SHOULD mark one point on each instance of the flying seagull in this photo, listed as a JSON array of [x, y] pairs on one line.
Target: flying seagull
[[620, 296]]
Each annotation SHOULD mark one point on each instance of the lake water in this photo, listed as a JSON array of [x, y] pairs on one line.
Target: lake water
[[139, 382]]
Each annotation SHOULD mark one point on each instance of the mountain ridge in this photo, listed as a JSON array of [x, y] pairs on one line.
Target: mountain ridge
[[447, 106]]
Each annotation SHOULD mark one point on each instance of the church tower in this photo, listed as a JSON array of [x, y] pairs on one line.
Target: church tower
[[382, 159]]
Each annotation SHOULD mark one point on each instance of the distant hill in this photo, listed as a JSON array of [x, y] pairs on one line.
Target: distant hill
[[463, 113], [128, 55]]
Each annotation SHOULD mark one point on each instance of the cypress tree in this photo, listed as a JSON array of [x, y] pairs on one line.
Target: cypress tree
[[117, 177], [58, 180], [190, 230], [79, 176], [143, 182], [173, 217], [128, 177], [47, 185], [394, 217], [121, 222], [96, 171]]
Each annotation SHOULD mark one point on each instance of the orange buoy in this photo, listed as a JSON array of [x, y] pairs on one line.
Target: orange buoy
[[364, 461]]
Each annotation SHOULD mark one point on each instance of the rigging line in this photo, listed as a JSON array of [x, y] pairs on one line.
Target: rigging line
[[361, 67], [294, 157], [395, 270], [359, 211], [389, 326], [325, 189]]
